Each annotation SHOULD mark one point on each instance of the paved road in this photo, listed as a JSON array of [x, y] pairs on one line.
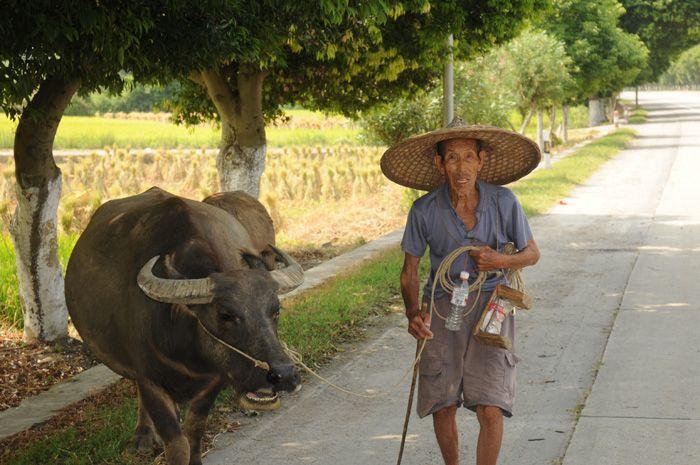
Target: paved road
[[644, 408], [601, 250]]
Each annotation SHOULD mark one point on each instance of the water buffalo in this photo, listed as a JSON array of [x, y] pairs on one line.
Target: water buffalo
[[154, 285]]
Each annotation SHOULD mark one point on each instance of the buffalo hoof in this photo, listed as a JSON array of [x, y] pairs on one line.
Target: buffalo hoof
[[146, 443]]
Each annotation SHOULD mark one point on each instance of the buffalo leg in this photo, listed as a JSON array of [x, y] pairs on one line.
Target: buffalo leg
[[163, 412], [145, 439], [196, 419]]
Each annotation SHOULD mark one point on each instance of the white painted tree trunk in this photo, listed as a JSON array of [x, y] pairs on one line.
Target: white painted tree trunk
[[596, 111], [241, 168], [33, 227], [241, 159], [33, 231]]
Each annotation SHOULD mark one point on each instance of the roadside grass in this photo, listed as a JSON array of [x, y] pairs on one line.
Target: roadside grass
[[91, 132], [316, 323], [638, 116]]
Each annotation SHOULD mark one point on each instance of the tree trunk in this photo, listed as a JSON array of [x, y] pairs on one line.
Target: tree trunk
[[526, 121], [552, 122], [540, 130], [565, 124], [596, 111], [241, 159], [636, 96], [34, 225]]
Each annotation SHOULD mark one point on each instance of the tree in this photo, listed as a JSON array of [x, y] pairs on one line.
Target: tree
[[538, 70], [666, 27], [605, 57], [49, 51], [482, 96], [341, 56], [685, 71]]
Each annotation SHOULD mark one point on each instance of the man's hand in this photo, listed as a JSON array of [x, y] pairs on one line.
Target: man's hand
[[487, 259], [419, 323]]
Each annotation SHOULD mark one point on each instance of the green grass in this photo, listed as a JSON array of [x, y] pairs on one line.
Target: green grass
[[99, 438], [317, 321], [10, 311], [89, 132], [638, 116]]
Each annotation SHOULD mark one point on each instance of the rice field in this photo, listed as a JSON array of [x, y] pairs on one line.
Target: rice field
[[145, 130]]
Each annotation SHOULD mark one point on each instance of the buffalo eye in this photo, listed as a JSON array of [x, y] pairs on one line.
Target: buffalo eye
[[228, 318]]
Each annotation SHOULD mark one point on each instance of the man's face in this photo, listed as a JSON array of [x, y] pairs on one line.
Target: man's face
[[461, 164]]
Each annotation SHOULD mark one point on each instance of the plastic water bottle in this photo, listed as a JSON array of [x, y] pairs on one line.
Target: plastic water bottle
[[458, 304]]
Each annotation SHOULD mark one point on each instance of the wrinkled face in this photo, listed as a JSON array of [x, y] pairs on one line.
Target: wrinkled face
[[244, 313], [460, 162]]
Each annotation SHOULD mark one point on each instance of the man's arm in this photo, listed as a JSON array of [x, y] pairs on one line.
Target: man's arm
[[487, 259], [418, 323]]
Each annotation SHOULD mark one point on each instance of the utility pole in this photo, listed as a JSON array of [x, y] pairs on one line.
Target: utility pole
[[448, 86]]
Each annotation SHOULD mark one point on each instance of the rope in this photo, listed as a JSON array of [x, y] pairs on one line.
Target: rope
[[442, 277], [258, 363]]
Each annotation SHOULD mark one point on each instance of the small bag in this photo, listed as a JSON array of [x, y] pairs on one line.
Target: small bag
[[503, 301]]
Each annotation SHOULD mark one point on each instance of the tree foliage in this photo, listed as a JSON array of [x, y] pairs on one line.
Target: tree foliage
[[667, 27], [605, 57], [537, 69], [482, 96], [90, 42], [350, 56], [685, 71]]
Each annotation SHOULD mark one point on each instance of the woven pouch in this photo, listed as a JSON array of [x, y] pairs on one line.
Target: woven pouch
[[503, 300]]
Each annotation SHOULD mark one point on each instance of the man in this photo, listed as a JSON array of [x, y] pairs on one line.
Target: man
[[462, 167]]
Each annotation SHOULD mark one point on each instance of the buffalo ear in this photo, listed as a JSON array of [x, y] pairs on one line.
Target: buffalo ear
[[253, 261]]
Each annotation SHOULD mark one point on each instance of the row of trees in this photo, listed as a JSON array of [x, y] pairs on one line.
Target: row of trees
[[575, 52], [237, 62]]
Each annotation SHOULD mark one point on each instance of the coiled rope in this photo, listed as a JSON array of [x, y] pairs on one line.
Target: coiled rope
[[442, 276]]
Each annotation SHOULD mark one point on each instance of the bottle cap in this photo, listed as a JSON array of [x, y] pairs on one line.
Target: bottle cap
[[464, 275]]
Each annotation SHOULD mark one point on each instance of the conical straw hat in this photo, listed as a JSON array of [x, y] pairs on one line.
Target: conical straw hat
[[510, 156]]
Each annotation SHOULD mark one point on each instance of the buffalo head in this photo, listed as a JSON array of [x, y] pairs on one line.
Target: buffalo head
[[240, 308]]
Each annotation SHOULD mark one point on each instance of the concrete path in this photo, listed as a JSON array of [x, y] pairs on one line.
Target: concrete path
[[644, 408], [593, 246]]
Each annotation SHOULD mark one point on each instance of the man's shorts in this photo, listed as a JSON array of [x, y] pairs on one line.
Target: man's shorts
[[457, 369]]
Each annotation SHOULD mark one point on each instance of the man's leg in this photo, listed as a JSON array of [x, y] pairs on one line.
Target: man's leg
[[445, 424], [490, 435]]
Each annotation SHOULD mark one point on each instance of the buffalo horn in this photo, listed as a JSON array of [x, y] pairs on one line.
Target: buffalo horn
[[291, 276], [174, 291]]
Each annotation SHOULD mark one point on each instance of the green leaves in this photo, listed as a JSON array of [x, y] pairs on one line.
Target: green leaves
[[666, 27], [537, 69], [605, 57]]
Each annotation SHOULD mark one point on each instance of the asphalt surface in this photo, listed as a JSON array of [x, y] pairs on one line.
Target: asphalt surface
[[616, 282]]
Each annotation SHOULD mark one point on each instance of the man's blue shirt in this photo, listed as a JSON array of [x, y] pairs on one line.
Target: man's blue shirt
[[433, 221]]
